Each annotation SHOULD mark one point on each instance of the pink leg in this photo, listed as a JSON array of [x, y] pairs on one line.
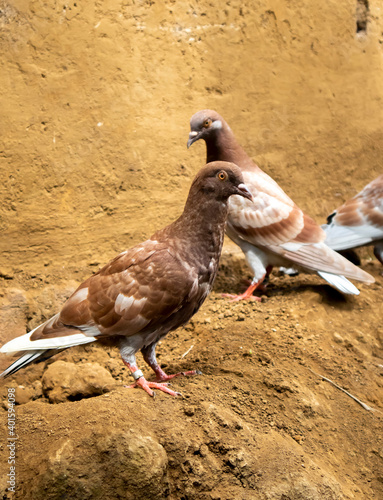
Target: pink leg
[[248, 294], [378, 252], [147, 386], [162, 376], [150, 358]]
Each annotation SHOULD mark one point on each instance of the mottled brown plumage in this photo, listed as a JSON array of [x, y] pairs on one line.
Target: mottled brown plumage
[[359, 221], [148, 290], [272, 231]]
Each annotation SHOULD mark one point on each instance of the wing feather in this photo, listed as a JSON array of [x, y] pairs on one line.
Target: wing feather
[[273, 218], [136, 288], [319, 257], [359, 221]]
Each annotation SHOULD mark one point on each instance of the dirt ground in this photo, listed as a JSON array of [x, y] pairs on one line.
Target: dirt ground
[[96, 99], [259, 423]]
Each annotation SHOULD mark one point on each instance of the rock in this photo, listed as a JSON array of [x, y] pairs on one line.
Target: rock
[[338, 338], [140, 463], [279, 384], [23, 394], [222, 417], [63, 381], [117, 464]]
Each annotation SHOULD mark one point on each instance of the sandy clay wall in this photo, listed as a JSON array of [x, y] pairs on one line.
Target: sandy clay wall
[[96, 98]]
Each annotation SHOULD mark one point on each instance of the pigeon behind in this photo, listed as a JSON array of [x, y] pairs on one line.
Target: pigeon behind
[[148, 290], [272, 231], [359, 221]]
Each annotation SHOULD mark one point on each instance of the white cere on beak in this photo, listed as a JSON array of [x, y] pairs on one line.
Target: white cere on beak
[[193, 134]]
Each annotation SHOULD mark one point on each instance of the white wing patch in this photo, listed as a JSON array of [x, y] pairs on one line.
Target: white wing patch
[[194, 288], [89, 330], [124, 303], [211, 265], [78, 296], [205, 289], [291, 246]]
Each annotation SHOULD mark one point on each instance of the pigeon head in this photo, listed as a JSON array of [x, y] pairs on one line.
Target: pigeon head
[[205, 124], [220, 180]]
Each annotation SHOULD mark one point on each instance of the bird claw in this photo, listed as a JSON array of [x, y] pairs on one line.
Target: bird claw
[[259, 285], [162, 376], [161, 383], [243, 296], [147, 386]]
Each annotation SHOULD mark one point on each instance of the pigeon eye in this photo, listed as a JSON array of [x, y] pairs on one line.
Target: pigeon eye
[[222, 176], [207, 123]]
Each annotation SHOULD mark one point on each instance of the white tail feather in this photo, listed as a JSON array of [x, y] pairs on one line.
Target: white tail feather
[[38, 350], [340, 282], [19, 363], [24, 343]]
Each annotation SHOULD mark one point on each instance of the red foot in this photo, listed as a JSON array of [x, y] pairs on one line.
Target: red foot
[[150, 358], [262, 287], [180, 374], [248, 295], [146, 386], [162, 376], [243, 296]]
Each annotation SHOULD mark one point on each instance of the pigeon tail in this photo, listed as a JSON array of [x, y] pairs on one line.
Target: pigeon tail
[[339, 282], [27, 359], [24, 343], [38, 350]]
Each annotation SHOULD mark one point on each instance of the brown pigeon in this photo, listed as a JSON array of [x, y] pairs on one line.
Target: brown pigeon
[[148, 290], [359, 221], [272, 231]]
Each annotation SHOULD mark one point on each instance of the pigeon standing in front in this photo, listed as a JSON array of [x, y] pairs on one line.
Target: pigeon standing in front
[[148, 290], [272, 231], [359, 221]]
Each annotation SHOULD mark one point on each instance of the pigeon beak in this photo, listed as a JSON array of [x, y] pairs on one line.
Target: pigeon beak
[[244, 191], [193, 136]]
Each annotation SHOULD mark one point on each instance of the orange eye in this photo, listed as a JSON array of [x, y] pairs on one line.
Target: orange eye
[[207, 123], [222, 176]]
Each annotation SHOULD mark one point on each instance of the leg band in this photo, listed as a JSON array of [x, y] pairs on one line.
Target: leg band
[[137, 374]]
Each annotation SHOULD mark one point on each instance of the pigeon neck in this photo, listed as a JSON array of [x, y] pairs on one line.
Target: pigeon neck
[[202, 223], [223, 146]]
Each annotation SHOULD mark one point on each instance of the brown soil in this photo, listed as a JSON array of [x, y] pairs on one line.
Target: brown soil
[[96, 100], [259, 423]]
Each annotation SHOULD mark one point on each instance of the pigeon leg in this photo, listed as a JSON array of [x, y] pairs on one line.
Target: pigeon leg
[[149, 355], [144, 384], [248, 294], [378, 252]]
